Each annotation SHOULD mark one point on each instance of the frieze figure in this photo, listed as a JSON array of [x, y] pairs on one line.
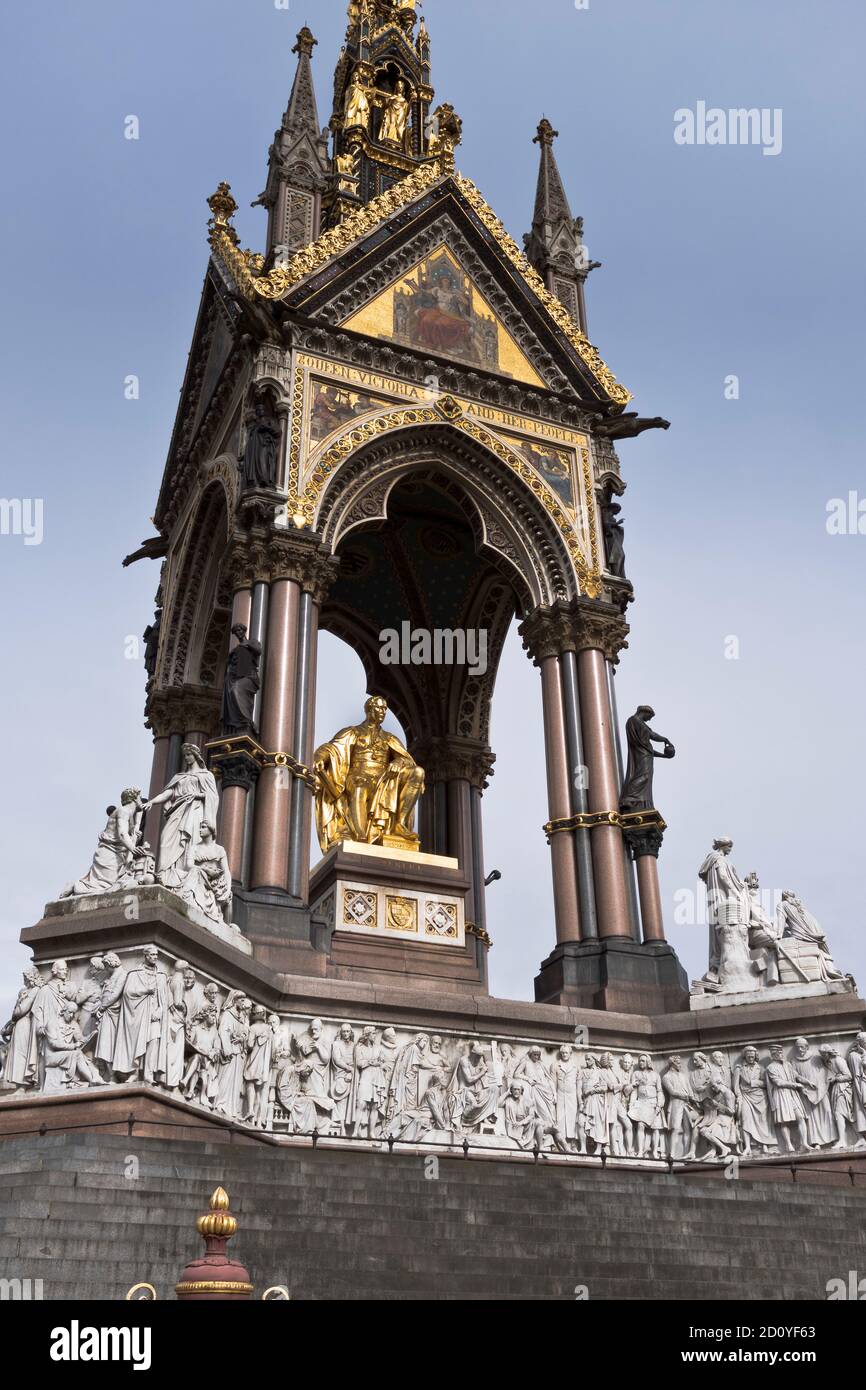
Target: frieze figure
[[176, 1020], [141, 1042], [647, 1109], [682, 1110], [88, 995], [718, 1124], [233, 1033], [753, 1104], [342, 1071], [108, 1011], [564, 1075], [21, 1065], [857, 1065], [257, 1069], [368, 1098], [199, 1079], [63, 1049], [475, 1090], [596, 1104], [786, 1092], [840, 1093]]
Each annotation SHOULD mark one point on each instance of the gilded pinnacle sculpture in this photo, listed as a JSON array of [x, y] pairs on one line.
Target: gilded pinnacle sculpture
[[368, 785]]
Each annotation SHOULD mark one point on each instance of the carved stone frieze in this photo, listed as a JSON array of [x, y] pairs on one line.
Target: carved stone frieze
[[141, 1016]]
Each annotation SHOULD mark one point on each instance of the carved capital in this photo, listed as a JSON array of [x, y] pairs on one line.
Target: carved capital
[[177, 709], [642, 843], [303, 559], [260, 551], [581, 625], [237, 769], [644, 832], [449, 759]]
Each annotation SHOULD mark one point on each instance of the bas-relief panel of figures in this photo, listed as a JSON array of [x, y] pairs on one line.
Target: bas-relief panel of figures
[[139, 1018]]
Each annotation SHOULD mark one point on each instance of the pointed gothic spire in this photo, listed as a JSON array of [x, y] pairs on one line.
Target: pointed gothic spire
[[298, 164], [302, 113], [551, 203], [555, 244]]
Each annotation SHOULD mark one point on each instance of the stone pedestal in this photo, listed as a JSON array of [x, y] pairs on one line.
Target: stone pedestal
[[396, 912], [615, 974]]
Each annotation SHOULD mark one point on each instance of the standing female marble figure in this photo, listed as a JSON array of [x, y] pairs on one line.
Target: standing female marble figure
[[190, 798], [753, 1102]]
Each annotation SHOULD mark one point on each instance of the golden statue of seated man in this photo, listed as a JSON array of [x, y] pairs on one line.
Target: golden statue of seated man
[[367, 785]]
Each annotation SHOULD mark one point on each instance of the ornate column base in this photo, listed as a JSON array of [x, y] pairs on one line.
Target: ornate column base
[[615, 974]]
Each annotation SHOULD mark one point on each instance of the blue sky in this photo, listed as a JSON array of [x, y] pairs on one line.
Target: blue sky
[[717, 261]]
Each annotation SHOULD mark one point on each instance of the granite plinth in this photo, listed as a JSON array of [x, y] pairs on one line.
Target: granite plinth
[[775, 993]]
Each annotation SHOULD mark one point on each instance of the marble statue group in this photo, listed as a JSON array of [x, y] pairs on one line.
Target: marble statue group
[[189, 863], [120, 1020], [750, 949]]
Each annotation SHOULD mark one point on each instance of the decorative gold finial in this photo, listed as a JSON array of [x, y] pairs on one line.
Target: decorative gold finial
[[219, 1221], [222, 204], [223, 208]]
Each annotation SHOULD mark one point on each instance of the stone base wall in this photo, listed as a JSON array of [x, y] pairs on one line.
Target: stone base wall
[[91, 1216]]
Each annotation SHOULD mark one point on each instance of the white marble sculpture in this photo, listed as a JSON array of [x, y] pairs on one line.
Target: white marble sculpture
[[191, 864], [798, 929], [121, 861], [749, 951], [140, 1017]]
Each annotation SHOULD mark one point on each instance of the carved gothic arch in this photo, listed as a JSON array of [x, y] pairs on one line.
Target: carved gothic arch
[[512, 526], [199, 607]]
